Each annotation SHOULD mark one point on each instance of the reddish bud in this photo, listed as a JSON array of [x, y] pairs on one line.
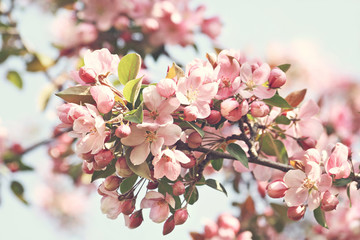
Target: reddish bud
[[17, 148], [180, 216], [276, 189], [169, 225], [88, 157], [122, 169], [194, 140], [214, 117], [307, 143], [277, 78], [13, 166], [103, 158], [296, 213], [134, 220], [189, 164], [87, 167], [259, 109], [152, 185], [111, 183], [329, 202], [128, 206], [178, 188], [123, 131], [88, 75]]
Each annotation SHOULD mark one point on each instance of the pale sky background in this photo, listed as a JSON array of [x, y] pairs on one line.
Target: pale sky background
[[333, 25]]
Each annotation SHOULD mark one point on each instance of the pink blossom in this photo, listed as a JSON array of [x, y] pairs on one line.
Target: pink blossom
[[159, 205], [110, 204], [276, 189], [69, 112], [277, 78], [232, 110], [104, 98], [167, 163], [329, 201], [145, 140], [211, 27], [166, 87], [337, 164], [101, 61], [306, 186], [296, 213], [259, 109]]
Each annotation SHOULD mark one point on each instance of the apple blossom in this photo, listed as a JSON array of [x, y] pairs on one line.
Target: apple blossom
[[232, 110], [337, 164], [296, 213], [104, 98], [159, 205]]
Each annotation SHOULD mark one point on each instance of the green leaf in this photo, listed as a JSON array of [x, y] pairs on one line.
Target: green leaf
[[320, 217], [110, 169], [39, 63], [141, 170], [217, 163], [129, 67], [341, 182], [348, 194], [77, 94], [273, 147], [18, 189], [135, 116], [277, 101], [237, 152], [132, 89], [128, 183], [15, 79], [284, 67], [195, 127], [215, 185], [282, 120], [191, 199]]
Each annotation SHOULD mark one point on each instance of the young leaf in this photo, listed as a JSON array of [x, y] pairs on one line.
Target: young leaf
[[15, 79], [18, 189], [39, 63], [128, 183], [141, 170], [277, 101], [273, 147], [295, 98], [237, 152], [320, 217], [77, 94], [282, 120], [135, 116], [191, 199], [216, 185], [284, 67], [175, 71], [132, 89], [217, 163], [110, 169], [129, 67]]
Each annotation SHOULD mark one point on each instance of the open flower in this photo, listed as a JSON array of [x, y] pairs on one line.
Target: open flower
[[337, 164], [159, 205]]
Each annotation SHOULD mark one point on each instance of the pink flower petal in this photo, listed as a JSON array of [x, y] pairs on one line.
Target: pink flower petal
[[139, 154], [295, 196], [308, 109], [136, 137], [294, 178]]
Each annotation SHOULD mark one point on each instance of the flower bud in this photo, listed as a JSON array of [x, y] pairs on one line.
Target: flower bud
[[232, 110], [259, 109], [88, 157], [166, 87], [169, 225], [189, 164], [276, 189], [17, 148], [104, 98], [87, 167], [194, 140], [103, 158], [152, 185], [111, 183], [178, 188], [122, 169], [134, 220], [88, 75], [123, 131], [128, 206], [210, 229], [214, 117], [277, 78], [329, 201], [296, 213], [307, 143], [180, 216]]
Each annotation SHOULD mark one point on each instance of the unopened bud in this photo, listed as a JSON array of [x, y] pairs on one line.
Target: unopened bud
[[134, 220], [276, 189], [128, 206], [122, 169], [123, 131], [178, 188], [88, 75], [152, 185], [17, 148], [111, 183], [169, 225], [180, 216], [194, 140], [329, 202], [88, 157], [166, 87], [259, 109], [87, 167], [103, 158], [214, 117], [296, 213], [277, 78]]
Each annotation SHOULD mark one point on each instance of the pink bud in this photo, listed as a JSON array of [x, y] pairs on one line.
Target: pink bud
[[88, 157], [111, 183], [103, 158], [259, 109], [128, 206], [276, 189], [189, 164], [277, 78], [122, 169], [152, 185], [88, 75], [134, 220], [210, 229], [296, 213], [232, 110], [329, 201], [166, 87], [214, 117], [307, 143], [123, 131], [178, 188], [104, 98], [180, 216], [226, 220], [17, 148], [194, 140], [87, 168], [169, 225]]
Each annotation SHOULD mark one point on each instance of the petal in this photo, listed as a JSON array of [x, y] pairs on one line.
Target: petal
[[310, 128], [152, 98], [203, 109], [261, 74], [308, 109], [314, 200], [171, 134], [294, 178], [245, 72], [139, 154], [156, 146], [181, 157], [313, 170], [136, 137], [207, 91], [159, 212], [295, 196], [325, 183], [263, 92]]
